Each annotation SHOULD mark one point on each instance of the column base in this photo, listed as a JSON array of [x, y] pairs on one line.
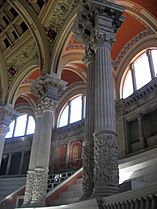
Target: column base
[[104, 191], [40, 187], [29, 189]]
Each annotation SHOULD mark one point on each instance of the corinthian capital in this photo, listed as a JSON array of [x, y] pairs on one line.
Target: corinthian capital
[[104, 39], [45, 104], [48, 86]]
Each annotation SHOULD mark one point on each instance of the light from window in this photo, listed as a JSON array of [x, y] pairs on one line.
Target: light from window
[[154, 56], [21, 126], [11, 129], [128, 86], [142, 71], [64, 117], [31, 125], [74, 111]]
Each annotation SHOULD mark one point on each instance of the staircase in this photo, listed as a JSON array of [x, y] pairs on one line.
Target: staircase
[[73, 194], [10, 184]]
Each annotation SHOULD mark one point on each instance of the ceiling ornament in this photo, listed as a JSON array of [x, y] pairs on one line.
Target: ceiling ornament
[[16, 61], [58, 17]]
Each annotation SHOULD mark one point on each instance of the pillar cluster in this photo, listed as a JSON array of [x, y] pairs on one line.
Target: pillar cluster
[[97, 24], [47, 88]]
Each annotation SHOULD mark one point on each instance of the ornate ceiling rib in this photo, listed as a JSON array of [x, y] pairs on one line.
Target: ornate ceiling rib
[[36, 29]]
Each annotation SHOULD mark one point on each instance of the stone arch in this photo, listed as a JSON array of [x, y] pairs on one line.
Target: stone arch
[[20, 77]]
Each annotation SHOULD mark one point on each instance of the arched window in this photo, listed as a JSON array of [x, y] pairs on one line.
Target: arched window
[[140, 72], [21, 126], [73, 111]]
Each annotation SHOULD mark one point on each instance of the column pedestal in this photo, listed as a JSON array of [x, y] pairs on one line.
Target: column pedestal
[[40, 187], [29, 188], [106, 174]]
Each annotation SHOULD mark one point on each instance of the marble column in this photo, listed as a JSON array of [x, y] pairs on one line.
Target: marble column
[[46, 87], [6, 115], [42, 160], [106, 173], [97, 24], [88, 144], [33, 158]]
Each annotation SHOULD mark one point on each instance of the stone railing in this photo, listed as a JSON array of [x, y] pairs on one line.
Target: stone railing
[[145, 198]]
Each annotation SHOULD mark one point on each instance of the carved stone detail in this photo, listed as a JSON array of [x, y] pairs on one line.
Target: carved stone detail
[[58, 16], [45, 104], [48, 86], [88, 168], [29, 188], [106, 162], [40, 186], [28, 52]]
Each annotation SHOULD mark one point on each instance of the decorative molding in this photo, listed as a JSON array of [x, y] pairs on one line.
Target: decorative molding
[[130, 44], [58, 16], [15, 62]]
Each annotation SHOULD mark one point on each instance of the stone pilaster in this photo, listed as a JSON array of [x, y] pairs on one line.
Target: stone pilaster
[[88, 144]]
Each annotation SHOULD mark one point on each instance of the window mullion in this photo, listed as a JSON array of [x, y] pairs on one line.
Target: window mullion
[[27, 120], [151, 65], [69, 111], [132, 68], [14, 127]]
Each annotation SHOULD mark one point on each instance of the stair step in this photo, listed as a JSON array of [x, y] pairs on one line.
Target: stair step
[[70, 194], [75, 187], [65, 201]]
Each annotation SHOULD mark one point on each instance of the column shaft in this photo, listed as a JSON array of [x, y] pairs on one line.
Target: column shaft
[[106, 175], [32, 162], [42, 163], [88, 144]]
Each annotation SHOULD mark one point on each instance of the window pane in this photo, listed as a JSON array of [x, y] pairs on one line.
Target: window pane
[[142, 71], [76, 109], [11, 129], [31, 125], [84, 110], [127, 87], [20, 125], [64, 117], [154, 55]]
